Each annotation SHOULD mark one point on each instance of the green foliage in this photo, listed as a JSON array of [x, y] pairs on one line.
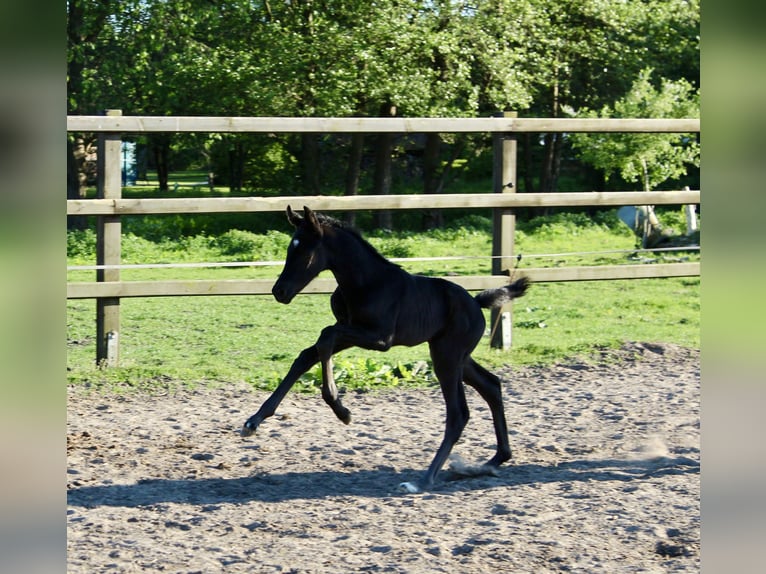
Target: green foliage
[[393, 247], [650, 158], [338, 59], [474, 224], [361, 374], [80, 244], [354, 58], [136, 249], [173, 228], [573, 224], [248, 244], [366, 374], [158, 228], [237, 242]]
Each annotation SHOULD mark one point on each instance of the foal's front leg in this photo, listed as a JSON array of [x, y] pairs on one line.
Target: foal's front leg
[[327, 346], [305, 360], [330, 392], [333, 340]]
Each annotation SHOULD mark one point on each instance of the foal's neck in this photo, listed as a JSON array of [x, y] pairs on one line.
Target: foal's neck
[[353, 261]]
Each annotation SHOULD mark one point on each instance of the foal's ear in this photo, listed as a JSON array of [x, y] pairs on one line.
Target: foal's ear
[[293, 218], [311, 219]]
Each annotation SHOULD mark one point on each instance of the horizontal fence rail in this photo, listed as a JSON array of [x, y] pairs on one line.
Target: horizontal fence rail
[[89, 290], [179, 124], [361, 202], [109, 205]]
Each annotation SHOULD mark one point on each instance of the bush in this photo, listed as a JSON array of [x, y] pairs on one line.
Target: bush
[[81, 243], [474, 223], [572, 223], [135, 249], [392, 247], [236, 242]]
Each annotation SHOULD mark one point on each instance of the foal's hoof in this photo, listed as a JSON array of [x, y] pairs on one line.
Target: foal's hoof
[[246, 431], [409, 488]]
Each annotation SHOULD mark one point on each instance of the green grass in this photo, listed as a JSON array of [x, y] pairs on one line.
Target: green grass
[[168, 341]]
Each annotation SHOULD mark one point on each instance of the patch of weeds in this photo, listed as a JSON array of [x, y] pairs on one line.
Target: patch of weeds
[[370, 374], [360, 375], [532, 318]]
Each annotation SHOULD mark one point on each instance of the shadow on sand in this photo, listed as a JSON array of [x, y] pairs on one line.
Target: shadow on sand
[[363, 483]]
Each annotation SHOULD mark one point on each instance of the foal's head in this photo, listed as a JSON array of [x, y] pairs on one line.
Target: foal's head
[[306, 255]]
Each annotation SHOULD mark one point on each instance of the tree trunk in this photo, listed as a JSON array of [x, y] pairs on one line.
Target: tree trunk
[[75, 175], [76, 179], [558, 144], [161, 149], [310, 163], [552, 144], [529, 180], [432, 218], [382, 179], [549, 176], [141, 161], [354, 171], [237, 157], [546, 174]]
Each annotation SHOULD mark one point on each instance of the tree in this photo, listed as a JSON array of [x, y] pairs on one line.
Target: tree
[[649, 158], [586, 53], [84, 25], [355, 58]]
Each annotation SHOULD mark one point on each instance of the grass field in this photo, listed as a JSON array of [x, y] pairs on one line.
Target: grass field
[[193, 340]]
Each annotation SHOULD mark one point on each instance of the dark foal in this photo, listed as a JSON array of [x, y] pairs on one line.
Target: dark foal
[[377, 305]]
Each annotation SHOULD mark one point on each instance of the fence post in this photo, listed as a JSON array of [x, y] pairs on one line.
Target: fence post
[[108, 246], [503, 226]]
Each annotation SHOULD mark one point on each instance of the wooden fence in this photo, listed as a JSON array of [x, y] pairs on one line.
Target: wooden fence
[[109, 204]]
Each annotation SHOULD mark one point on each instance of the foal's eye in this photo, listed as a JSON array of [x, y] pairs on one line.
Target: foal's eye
[[296, 243]]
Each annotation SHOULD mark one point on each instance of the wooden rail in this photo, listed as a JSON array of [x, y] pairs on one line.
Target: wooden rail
[[90, 290], [357, 202], [180, 124], [109, 205]]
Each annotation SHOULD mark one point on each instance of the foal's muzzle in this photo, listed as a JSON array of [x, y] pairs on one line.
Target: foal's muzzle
[[281, 294]]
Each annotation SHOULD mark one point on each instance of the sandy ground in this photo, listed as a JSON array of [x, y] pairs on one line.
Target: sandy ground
[[605, 478]]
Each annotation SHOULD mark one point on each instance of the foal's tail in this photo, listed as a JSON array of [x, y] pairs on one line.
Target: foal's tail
[[492, 298]]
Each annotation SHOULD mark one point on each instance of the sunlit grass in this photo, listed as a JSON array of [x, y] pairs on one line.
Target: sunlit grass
[[192, 340]]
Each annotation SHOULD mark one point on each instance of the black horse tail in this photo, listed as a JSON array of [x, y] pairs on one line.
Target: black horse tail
[[492, 298]]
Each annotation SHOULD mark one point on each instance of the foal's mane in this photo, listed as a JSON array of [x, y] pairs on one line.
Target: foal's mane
[[326, 220]]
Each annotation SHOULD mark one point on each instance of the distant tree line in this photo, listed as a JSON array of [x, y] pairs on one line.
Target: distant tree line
[[444, 58]]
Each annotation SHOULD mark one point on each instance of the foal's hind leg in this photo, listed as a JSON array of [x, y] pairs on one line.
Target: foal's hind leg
[[488, 386], [449, 371]]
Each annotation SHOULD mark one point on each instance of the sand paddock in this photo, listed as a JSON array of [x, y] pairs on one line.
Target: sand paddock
[[605, 477]]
